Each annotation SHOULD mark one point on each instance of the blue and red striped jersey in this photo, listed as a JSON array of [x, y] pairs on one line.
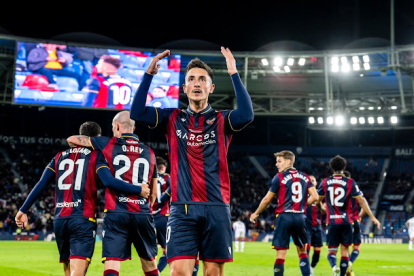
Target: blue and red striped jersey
[[163, 183], [198, 145], [291, 187], [356, 208], [338, 191], [131, 161], [75, 193], [313, 215]]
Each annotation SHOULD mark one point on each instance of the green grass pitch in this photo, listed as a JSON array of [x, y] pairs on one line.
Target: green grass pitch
[[41, 258]]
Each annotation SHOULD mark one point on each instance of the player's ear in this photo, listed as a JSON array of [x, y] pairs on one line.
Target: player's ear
[[184, 88], [212, 88]]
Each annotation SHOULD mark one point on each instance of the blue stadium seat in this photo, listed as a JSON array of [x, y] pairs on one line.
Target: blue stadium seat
[[128, 74], [30, 94], [63, 96], [67, 83], [75, 67], [130, 61]]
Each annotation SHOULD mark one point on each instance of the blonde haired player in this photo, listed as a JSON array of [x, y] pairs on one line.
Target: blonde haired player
[[240, 234]]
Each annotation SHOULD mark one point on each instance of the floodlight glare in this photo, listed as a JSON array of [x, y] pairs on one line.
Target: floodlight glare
[[335, 67], [366, 66], [380, 120], [371, 108], [394, 119], [354, 120], [311, 108], [287, 69], [361, 120], [394, 107], [329, 120], [320, 108], [379, 107], [278, 61], [371, 120], [311, 120], [365, 58], [334, 60], [265, 62], [345, 67], [355, 59], [344, 60], [276, 69], [320, 120], [356, 66], [290, 61], [302, 61], [339, 120], [361, 108]]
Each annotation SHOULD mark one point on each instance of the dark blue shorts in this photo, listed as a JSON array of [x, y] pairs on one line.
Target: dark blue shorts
[[337, 234], [122, 229], [199, 229], [289, 225], [75, 238], [314, 235], [161, 226], [357, 234]]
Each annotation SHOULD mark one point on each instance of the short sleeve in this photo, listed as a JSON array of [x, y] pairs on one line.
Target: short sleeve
[[99, 143], [355, 192], [321, 191], [274, 186], [310, 184], [52, 164], [101, 161]]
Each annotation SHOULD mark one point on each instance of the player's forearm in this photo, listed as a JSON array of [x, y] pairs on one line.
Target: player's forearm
[[154, 190], [364, 205], [47, 175], [140, 112], [263, 205], [118, 185], [243, 115], [79, 140]]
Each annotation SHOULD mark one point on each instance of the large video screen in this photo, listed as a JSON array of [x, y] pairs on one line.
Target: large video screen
[[72, 76]]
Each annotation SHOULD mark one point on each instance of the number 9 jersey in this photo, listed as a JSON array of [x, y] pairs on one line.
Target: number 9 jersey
[[131, 161], [292, 189]]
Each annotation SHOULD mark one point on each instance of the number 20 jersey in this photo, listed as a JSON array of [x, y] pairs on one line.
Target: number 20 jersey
[[338, 191], [131, 161], [75, 192], [291, 187]]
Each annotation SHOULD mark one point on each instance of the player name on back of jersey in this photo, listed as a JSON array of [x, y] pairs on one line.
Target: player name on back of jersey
[[84, 151], [132, 149], [336, 181], [296, 175]]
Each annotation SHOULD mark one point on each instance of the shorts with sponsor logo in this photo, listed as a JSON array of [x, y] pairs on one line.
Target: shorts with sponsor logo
[[337, 234], [75, 238], [199, 229], [289, 225], [314, 235], [357, 234], [120, 229], [161, 226]]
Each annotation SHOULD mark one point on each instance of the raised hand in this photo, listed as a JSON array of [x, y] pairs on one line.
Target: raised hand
[[21, 219], [231, 62], [154, 66]]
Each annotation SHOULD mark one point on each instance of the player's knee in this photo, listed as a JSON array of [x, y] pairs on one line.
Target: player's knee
[[148, 265]]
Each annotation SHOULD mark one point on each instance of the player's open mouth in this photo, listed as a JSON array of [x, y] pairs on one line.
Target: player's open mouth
[[197, 91]]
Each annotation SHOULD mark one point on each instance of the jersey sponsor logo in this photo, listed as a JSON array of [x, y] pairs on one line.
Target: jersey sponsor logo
[[135, 201], [296, 175], [338, 216], [195, 140], [336, 181], [84, 151], [132, 142], [68, 204]]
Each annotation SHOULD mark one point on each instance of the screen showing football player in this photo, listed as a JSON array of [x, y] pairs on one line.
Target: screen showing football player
[[198, 139], [107, 89], [338, 191], [291, 188], [128, 219]]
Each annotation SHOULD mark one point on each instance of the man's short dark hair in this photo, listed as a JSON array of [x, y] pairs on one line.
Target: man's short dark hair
[[161, 161], [112, 60], [337, 164], [347, 174], [90, 129], [197, 63]]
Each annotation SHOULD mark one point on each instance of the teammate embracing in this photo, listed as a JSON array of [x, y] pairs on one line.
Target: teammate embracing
[[292, 188]]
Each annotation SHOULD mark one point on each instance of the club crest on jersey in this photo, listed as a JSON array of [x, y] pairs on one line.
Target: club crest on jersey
[[210, 121]]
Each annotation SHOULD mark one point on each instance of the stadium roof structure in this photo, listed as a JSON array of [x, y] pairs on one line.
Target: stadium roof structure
[[366, 77]]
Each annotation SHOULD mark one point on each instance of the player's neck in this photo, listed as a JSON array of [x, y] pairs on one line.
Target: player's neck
[[340, 172], [198, 106]]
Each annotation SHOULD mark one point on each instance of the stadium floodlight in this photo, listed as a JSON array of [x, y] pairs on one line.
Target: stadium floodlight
[[329, 120], [339, 120], [311, 120], [335, 68], [379, 107], [394, 107], [345, 67], [311, 108], [371, 120], [287, 69], [355, 59], [365, 58], [334, 60], [278, 61], [302, 61], [290, 61], [265, 62], [354, 120], [361, 120], [356, 66], [366, 66], [320, 108], [361, 108], [394, 119], [371, 108], [344, 60], [320, 120], [276, 69], [380, 120]]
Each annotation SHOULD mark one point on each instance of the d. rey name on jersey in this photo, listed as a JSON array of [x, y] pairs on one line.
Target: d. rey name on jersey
[[338, 191], [75, 193], [131, 161], [198, 146], [291, 187], [163, 183]]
